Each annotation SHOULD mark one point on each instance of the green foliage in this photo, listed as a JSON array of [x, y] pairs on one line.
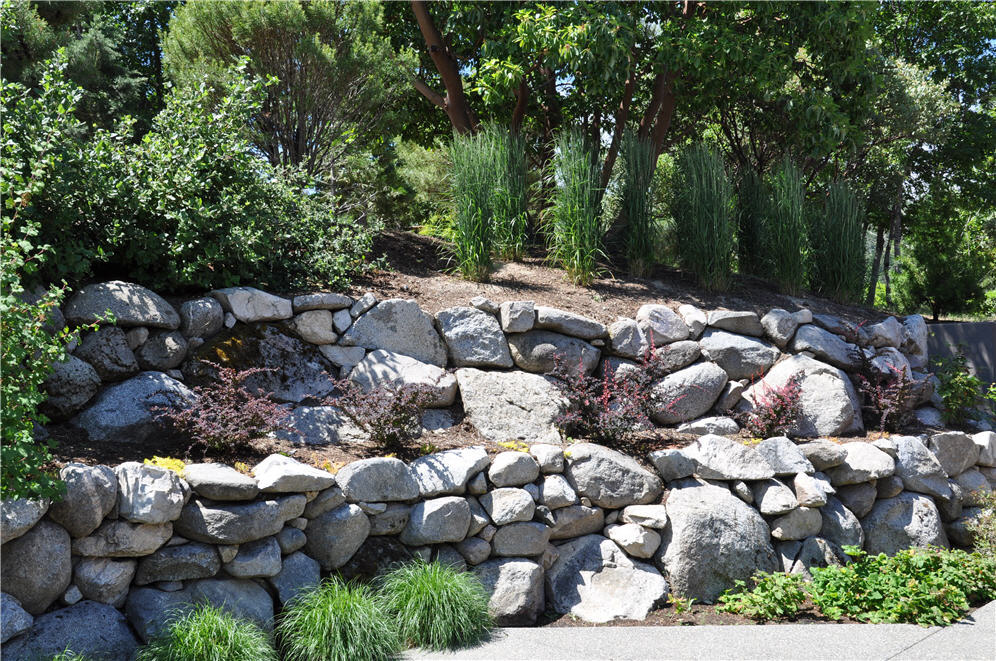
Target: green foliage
[[207, 633], [784, 238], [337, 622], [837, 246], [983, 525], [771, 596], [960, 390], [424, 174], [435, 606], [190, 205], [473, 227], [924, 586], [575, 229], [641, 230], [69, 655], [703, 216], [752, 209], [509, 192]]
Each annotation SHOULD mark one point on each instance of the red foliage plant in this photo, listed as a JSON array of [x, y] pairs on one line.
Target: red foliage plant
[[775, 411], [225, 415], [390, 414], [887, 396]]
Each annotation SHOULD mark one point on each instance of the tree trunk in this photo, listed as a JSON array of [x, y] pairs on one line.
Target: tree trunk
[[879, 246], [886, 270], [622, 115], [455, 102]]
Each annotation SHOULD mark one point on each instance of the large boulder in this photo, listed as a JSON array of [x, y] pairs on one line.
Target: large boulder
[[540, 351], [14, 620], [826, 346], [399, 326], [521, 539], [780, 326], [661, 324], [687, 393], [295, 371], [384, 368], [516, 589], [162, 351], [376, 480], [677, 355], [908, 520], [237, 523], [627, 339], [513, 469], [149, 494], [374, 558], [243, 598], [149, 610], [473, 338], [201, 317], [36, 567], [281, 474], [919, 469], [125, 411], [743, 322], [250, 305], [220, 482], [888, 333], [741, 357], [321, 425], [784, 456], [335, 536], [915, 341], [437, 521], [72, 383], [298, 574], [315, 327], [19, 515], [517, 316], [448, 472], [178, 563], [829, 403], [507, 505], [120, 539], [510, 405], [568, 323], [609, 478], [107, 350], [130, 304], [719, 458], [104, 580], [89, 629], [577, 520], [714, 540], [862, 463], [593, 579], [259, 559], [955, 450]]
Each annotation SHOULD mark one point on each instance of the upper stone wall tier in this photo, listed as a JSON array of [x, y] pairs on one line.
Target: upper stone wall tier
[[305, 339], [581, 529]]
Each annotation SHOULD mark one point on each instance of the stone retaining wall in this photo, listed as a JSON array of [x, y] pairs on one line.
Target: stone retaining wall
[[115, 374], [583, 529]]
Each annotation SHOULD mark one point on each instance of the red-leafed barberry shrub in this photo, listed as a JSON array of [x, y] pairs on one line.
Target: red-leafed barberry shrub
[[391, 415], [887, 397], [226, 415], [605, 410], [775, 411]]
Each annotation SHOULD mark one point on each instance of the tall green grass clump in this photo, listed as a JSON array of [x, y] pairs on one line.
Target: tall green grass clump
[[337, 622], [837, 256], [705, 230], [784, 228], [472, 179], [752, 204], [641, 230], [436, 606], [209, 634], [576, 228], [508, 157]]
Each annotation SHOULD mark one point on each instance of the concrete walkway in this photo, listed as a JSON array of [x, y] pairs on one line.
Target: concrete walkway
[[972, 638]]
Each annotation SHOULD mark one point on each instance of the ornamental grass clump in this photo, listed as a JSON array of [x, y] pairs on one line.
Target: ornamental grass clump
[[472, 180], [752, 204], [837, 245], [508, 192], [576, 230], [435, 606], [784, 228], [641, 230], [703, 214], [337, 622], [209, 634]]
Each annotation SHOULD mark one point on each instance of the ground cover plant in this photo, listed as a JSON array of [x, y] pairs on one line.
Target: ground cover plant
[[772, 596], [436, 606], [337, 622], [207, 633]]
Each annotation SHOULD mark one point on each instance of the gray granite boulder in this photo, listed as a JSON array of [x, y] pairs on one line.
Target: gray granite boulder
[[719, 458], [780, 326], [220, 482], [149, 610], [448, 472], [510, 405], [298, 573], [840, 526], [321, 425], [577, 520], [823, 454], [178, 563], [385, 368], [512, 469], [859, 498], [555, 492], [130, 304], [14, 620], [237, 523], [915, 340], [473, 338], [740, 356], [539, 351], [862, 463], [19, 515], [826, 347], [107, 350], [315, 327], [672, 464], [242, 598], [694, 318], [321, 301], [568, 323], [661, 324], [201, 317], [908, 520], [335, 536], [95, 631], [399, 326], [919, 469], [521, 539], [956, 451], [162, 351], [736, 321], [36, 567], [104, 580], [259, 559], [687, 394], [437, 521], [517, 316], [627, 339], [609, 478], [593, 579], [123, 412], [888, 333], [281, 474], [72, 383], [250, 305], [720, 425], [773, 498], [149, 494], [377, 480], [800, 523], [784, 456], [508, 505], [121, 539], [516, 589]]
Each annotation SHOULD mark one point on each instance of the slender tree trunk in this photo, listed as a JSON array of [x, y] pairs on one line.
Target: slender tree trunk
[[886, 270], [622, 115], [455, 102], [879, 247]]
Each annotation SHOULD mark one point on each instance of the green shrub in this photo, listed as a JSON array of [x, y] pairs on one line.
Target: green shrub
[[337, 622], [960, 390], [837, 246], [771, 596], [473, 179], [509, 192], [703, 216], [69, 655], [191, 204], [209, 634], [752, 204], [641, 230], [575, 231], [983, 526], [924, 586], [784, 227], [436, 606]]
